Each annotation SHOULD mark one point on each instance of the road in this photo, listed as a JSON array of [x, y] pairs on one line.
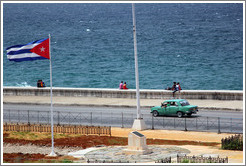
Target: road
[[203, 113], [224, 121]]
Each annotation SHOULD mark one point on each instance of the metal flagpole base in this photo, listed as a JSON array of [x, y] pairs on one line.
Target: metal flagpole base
[[139, 124], [52, 154]]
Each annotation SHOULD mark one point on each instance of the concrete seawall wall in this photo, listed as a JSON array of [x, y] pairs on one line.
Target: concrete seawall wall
[[130, 93]]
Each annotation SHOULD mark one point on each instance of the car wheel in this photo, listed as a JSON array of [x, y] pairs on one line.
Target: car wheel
[[180, 114], [155, 113]]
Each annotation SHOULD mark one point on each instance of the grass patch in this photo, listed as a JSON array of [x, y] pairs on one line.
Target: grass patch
[[36, 158], [36, 135], [117, 141]]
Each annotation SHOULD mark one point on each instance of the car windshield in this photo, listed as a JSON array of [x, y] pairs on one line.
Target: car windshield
[[184, 103]]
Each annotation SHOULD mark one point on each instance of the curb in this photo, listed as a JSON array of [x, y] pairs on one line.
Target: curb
[[124, 106]]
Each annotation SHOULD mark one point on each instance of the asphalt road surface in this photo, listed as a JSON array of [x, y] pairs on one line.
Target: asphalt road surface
[[214, 121]]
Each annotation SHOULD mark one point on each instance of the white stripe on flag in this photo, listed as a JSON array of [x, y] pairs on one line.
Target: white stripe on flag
[[23, 47], [26, 55]]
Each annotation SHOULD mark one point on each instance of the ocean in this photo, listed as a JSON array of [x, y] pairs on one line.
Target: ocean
[[199, 45]]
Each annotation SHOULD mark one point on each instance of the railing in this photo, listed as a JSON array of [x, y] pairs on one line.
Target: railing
[[164, 160], [193, 123], [201, 159], [180, 159], [68, 129]]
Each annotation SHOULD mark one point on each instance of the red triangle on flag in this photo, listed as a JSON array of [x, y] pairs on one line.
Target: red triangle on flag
[[42, 49]]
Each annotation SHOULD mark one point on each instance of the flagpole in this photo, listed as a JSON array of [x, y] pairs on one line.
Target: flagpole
[[51, 107], [136, 62], [138, 123]]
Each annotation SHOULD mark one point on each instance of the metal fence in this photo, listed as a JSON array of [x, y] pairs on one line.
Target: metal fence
[[125, 120], [201, 159], [214, 124], [164, 160]]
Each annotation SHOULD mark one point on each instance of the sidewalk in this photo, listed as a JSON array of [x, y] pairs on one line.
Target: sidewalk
[[231, 105]]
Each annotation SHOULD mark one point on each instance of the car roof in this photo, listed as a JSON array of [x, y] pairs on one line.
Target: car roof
[[174, 100]]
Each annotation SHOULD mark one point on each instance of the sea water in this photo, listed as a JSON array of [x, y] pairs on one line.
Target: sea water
[[199, 45]]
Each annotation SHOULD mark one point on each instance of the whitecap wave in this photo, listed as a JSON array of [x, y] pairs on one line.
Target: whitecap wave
[[23, 84]]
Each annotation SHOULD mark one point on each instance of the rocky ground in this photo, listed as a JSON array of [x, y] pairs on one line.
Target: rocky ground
[[25, 150]]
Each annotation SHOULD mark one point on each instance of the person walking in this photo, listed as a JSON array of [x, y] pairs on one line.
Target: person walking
[[121, 85], [124, 86]]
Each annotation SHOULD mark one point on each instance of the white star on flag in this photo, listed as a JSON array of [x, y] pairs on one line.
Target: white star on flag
[[42, 49]]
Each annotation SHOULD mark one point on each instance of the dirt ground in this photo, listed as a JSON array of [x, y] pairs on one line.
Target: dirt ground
[[196, 142], [33, 158], [174, 135]]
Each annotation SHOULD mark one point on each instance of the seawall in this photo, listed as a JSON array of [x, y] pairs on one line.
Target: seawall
[[130, 93]]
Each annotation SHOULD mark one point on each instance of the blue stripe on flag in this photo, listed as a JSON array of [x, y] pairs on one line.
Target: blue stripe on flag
[[26, 59], [37, 41], [16, 46], [19, 52]]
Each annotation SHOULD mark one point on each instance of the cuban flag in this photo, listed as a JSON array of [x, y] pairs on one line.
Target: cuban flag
[[38, 49]]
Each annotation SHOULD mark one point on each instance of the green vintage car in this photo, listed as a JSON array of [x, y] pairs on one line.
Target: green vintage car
[[179, 107]]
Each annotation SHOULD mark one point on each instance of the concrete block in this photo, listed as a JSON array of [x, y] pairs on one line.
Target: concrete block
[[137, 144], [139, 124]]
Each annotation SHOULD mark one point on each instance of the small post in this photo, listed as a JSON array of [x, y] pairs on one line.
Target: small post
[[19, 116], [231, 124], [101, 118], [48, 117], [152, 122], [163, 124], [81, 122], [110, 118], [122, 125], [207, 123], [219, 125], [174, 123], [28, 119], [196, 123], [38, 117], [58, 118], [185, 125], [9, 115]]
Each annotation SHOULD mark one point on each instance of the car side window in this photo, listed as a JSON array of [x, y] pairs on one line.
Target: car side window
[[173, 103]]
